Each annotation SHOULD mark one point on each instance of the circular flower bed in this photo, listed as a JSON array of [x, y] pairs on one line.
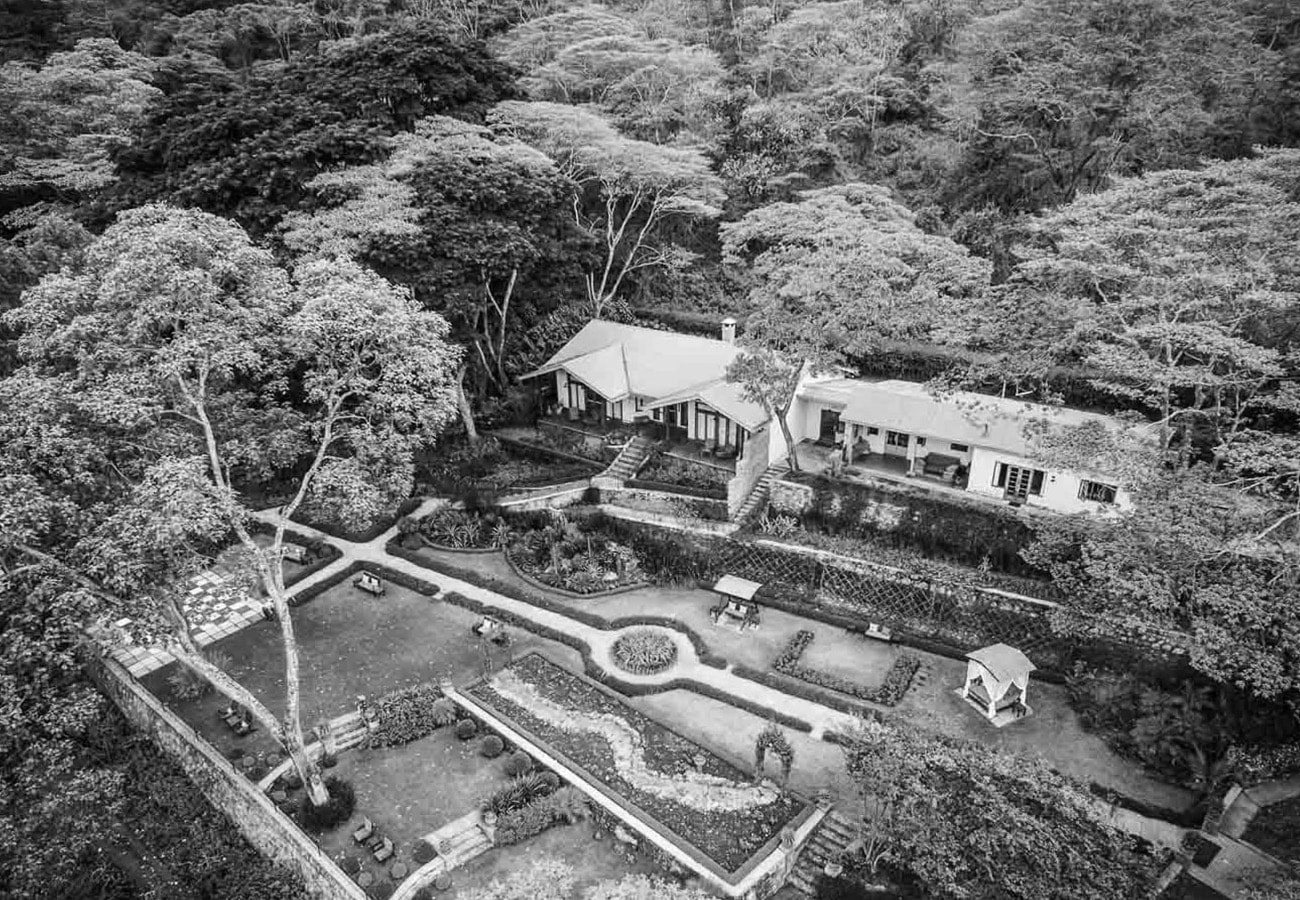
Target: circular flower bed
[[645, 652]]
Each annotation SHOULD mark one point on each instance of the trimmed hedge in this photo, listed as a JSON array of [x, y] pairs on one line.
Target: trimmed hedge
[[807, 691], [405, 508], [1188, 818], [888, 693], [466, 729], [506, 589], [491, 747], [519, 763], [403, 715], [533, 818]]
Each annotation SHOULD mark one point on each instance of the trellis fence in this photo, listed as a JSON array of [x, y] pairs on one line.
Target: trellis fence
[[954, 616]]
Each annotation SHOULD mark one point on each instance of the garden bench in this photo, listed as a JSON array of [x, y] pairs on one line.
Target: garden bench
[[872, 630], [369, 583], [384, 851], [294, 553], [365, 831]]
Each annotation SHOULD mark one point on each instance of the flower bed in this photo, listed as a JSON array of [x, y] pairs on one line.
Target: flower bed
[[455, 529], [672, 472], [645, 652], [563, 556], [714, 807], [897, 680], [493, 465]]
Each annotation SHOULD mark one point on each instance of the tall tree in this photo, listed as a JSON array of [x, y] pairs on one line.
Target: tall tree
[[479, 228], [628, 193], [66, 119], [176, 362], [247, 151], [972, 823]]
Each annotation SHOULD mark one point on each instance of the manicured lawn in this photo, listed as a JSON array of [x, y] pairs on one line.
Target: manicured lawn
[[1276, 829], [350, 644], [730, 733], [592, 860], [411, 790]]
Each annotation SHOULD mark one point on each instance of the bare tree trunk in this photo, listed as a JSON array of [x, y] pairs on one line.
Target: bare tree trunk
[[462, 403], [789, 440]]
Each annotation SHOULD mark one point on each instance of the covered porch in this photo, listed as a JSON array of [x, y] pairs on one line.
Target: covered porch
[[870, 468]]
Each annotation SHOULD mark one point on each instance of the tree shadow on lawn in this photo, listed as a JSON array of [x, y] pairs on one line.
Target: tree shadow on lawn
[[350, 644], [410, 791], [592, 860]]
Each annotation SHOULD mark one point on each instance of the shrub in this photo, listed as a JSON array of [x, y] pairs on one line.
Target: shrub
[[466, 729], [293, 780], [443, 712], [888, 693], [517, 793], [551, 780], [442, 882], [328, 761], [518, 764], [404, 715], [381, 890], [423, 853], [491, 747], [350, 864], [567, 805], [424, 893], [644, 651], [338, 809]]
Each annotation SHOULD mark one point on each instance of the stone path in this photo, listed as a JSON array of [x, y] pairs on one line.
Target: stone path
[[215, 609]]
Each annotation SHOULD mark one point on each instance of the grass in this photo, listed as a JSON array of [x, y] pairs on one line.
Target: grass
[[350, 644], [1275, 828], [411, 790]]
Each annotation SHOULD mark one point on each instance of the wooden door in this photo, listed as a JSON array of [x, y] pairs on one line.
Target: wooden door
[[1019, 480], [830, 425]]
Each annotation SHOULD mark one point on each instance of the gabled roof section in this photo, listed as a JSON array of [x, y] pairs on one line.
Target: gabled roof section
[[724, 396], [997, 423], [655, 363]]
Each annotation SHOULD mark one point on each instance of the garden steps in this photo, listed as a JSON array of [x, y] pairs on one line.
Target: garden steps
[[629, 459], [834, 833], [758, 496]]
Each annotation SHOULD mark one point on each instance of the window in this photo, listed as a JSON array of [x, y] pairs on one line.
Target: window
[[1096, 491], [871, 429], [1018, 481], [657, 414], [896, 438], [960, 448], [920, 442], [640, 403]]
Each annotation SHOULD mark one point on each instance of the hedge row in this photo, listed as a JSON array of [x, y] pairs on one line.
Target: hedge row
[[506, 589], [888, 693], [623, 687], [807, 691], [666, 487], [534, 818], [405, 508]]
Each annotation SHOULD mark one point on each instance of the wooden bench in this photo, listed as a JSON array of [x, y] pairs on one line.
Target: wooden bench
[[872, 630], [369, 583]]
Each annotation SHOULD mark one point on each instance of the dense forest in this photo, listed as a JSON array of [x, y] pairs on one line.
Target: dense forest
[[1095, 201]]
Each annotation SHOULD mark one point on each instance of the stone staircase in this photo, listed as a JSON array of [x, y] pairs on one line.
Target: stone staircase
[[758, 496], [831, 836], [629, 459], [456, 843], [349, 731]]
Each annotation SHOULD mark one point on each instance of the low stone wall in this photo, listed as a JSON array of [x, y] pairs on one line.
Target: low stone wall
[[665, 503], [252, 812], [557, 497]]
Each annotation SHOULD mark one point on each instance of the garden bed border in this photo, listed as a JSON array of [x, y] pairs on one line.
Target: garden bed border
[[564, 592], [762, 863]]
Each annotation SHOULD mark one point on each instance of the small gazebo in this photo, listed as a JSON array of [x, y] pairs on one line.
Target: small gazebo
[[997, 679]]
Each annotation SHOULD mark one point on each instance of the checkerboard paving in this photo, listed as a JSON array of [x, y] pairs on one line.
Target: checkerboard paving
[[215, 608]]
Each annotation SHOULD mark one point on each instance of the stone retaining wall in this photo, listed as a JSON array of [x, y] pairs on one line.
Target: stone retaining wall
[[252, 812]]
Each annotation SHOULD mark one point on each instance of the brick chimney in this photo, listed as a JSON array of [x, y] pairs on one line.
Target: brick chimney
[[729, 330]]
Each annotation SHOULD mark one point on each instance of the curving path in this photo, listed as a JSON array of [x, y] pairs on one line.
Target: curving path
[[601, 641]]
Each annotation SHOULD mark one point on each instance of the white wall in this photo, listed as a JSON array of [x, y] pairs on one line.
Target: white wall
[[1060, 489]]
